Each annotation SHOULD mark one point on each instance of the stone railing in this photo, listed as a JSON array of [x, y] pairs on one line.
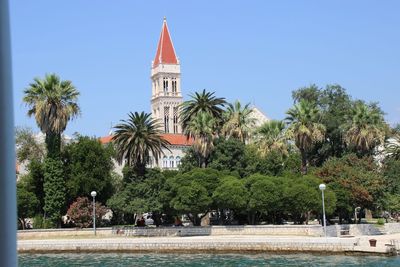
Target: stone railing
[[296, 230], [362, 229], [392, 228], [63, 232]]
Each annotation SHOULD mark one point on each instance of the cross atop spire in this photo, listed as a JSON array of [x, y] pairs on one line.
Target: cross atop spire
[[165, 49]]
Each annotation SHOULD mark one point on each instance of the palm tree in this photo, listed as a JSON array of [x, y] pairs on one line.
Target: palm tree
[[304, 128], [271, 137], [136, 138], [201, 102], [53, 103], [365, 128], [202, 128], [238, 122]]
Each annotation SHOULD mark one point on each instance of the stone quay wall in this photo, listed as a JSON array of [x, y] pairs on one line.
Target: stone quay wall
[[193, 244], [271, 230]]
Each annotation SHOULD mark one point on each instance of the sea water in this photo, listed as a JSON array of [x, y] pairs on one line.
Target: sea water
[[265, 259]]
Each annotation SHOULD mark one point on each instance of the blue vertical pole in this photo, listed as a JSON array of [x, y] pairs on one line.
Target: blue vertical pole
[[8, 206]]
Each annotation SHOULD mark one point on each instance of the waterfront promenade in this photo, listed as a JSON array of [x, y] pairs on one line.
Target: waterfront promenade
[[232, 243]]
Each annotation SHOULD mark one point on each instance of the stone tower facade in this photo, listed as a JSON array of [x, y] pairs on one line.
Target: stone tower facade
[[166, 84]]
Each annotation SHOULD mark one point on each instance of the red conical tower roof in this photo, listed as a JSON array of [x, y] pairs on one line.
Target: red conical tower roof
[[165, 49]]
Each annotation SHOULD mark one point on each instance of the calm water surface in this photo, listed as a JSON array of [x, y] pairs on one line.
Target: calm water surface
[[122, 259]]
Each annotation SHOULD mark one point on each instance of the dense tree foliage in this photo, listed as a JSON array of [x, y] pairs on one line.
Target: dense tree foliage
[[391, 172], [88, 166], [54, 190], [235, 172], [27, 203], [229, 155], [142, 195], [356, 181], [33, 183], [351, 125], [191, 192]]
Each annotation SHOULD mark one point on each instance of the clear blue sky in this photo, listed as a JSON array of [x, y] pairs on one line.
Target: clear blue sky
[[254, 51]]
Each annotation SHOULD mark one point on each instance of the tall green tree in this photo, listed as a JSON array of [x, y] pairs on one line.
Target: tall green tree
[[305, 128], [365, 128], [54, 189], [238, 122], [27, 204], [228, 155], [203, 102], [53, 103], [231, 194], [334, 104], [33, 182], [202, 128], [136, 138], [311, 93], [88, 166], [191, 193], [265, 198], [357, 182]]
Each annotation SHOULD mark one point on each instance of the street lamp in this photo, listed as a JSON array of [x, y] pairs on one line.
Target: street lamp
[[322, 187], [93, 194]]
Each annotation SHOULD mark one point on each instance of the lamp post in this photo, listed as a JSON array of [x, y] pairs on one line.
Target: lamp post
[[93, 194], [322, 187]]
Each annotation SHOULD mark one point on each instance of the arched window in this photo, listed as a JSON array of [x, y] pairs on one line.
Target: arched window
[[175, 119], [178, 161], [174, 86], [165, 162], [171, 162], [166, 119], [165, 84]]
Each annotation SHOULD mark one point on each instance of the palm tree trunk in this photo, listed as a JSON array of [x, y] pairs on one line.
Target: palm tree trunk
[[140, 169]]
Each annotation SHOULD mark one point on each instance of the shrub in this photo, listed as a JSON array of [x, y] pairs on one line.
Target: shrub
[[81, 212]]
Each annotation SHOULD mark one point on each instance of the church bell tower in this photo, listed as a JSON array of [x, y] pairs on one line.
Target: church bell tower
[[166, 84]]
